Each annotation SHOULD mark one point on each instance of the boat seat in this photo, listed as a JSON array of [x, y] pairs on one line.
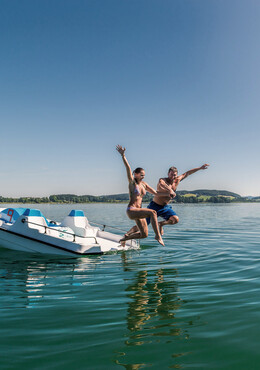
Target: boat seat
[[36, 220], [36, 213], [78, 222], [10, 215]]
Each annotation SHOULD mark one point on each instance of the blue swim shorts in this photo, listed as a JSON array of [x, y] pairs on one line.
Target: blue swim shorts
[[162, 211]]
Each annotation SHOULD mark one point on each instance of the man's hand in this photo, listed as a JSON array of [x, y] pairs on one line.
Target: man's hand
[[172, 194], [190, 172]]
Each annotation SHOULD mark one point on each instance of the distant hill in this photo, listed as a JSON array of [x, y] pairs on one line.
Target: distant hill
[[124, 196], [182, 196], [199, 192], [211, 193]]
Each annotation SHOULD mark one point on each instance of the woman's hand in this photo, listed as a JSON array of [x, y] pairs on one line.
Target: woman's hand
[[120, 149]]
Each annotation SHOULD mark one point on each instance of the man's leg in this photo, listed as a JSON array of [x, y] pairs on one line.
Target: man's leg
[[171, 221]]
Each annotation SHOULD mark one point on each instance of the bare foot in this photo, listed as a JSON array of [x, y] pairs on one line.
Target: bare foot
[[159, 240], [123, 241], [161, 229]]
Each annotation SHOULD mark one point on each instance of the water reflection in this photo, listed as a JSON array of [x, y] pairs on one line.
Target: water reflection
[[152, 295], [28, 281], [141, 313], [151, 315]]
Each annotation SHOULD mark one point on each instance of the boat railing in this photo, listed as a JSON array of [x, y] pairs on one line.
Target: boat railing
[[24, 220], [137, 241], [107, 226]]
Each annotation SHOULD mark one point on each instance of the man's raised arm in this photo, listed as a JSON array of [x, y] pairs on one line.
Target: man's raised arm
[[190, 172]]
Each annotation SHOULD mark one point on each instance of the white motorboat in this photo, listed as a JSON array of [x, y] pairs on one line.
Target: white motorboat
[[26, 229]]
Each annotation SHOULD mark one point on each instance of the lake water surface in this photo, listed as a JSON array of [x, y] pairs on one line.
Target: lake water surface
[[193, 304]]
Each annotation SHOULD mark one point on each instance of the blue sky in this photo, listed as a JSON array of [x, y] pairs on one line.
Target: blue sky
[[175, 81]]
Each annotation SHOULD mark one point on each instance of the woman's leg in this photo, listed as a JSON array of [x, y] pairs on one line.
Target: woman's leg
[[140, 233], [142, 213], [133, 229], [155, 226]]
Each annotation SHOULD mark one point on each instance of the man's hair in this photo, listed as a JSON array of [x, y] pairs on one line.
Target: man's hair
[[138, 170], [174, 169]]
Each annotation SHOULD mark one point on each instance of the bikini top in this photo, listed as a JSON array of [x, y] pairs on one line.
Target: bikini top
[[137, 190]]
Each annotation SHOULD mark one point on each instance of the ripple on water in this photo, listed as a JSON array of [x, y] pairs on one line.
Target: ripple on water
[[191, 304]]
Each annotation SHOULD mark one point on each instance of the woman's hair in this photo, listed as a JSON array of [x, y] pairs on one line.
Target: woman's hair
[[138, 170]]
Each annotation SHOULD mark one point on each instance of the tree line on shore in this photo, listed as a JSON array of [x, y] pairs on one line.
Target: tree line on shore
[[196, 196]]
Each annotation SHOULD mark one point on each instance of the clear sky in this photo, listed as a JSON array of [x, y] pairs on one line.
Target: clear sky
[[175, 81]]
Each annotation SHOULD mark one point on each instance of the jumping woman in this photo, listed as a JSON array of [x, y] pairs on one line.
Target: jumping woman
[[137, 189]]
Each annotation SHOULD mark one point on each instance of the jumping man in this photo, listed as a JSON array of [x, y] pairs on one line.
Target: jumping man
[[160, 203]]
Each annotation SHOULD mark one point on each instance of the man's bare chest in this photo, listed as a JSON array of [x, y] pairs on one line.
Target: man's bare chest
[[173, 185]]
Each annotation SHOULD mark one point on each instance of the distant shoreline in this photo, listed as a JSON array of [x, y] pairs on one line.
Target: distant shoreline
[[201, 196], [172, 203]]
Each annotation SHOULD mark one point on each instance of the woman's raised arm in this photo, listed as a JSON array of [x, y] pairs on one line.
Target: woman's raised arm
[[121, 151]]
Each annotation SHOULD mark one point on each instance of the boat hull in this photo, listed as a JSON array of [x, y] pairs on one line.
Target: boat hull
[[28, 230], [10, 240]]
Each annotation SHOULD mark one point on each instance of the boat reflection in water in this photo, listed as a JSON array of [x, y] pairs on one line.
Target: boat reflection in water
[[134, 315], [32, 280]]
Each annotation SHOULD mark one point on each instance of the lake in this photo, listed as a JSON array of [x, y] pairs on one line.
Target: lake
[[193, 304]]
